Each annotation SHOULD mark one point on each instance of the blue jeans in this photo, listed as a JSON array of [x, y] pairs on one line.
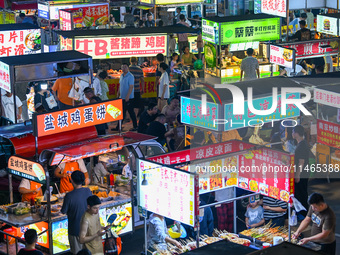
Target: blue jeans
[[63, 106]]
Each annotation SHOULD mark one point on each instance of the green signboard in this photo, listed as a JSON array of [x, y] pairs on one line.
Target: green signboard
[[210, 31], [250, 30]]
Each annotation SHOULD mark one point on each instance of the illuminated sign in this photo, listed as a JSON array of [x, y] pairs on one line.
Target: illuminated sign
[[76, 118], [313, 49], [327, 97], [176, 2], [328, 133], [167, 191], [244, 46], [5, 80], [191, 113], [238, 121], [210, 31], [327, 25], [122, 47], [26, 169], [274, 7], [20, 42], [282, 56], [250, 30]]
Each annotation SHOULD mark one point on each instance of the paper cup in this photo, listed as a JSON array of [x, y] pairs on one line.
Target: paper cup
[[266, 245]]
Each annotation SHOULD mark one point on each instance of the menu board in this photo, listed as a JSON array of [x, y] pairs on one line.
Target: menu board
[[60, 236], [210, 31], [328, 133], [265, 103], [39, 227], [20, 42], [122, 47], [5, 79], [86, 16], [314, 49], [250, 30], [282, 56], [26, 169], [327, 97], [327, 25], [244, 46], [167, 191], [191, 113], [274, 7], [76, 118]]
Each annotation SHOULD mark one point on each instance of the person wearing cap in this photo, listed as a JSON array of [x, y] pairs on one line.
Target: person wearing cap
[[91, 231], [29, 190], [74, 206], [31, 238], [64, 171]]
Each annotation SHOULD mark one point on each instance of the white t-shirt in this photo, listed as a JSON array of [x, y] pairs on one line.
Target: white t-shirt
[[328, 60], [96, 86], [122, 10], [8, 105], [164, 80], [289, 71], [81, 164], [99, 171]]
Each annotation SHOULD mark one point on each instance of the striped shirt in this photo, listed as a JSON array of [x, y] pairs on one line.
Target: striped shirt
[[272, 202], [137, 72]]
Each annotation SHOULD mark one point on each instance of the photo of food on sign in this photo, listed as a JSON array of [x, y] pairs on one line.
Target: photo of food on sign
[[264, 189], [288, 55], [120, 218], [203, 184], [284, 195], [230, 180], [274, 192], [243, 183], [33, 41], [216, 181], [253, 185]]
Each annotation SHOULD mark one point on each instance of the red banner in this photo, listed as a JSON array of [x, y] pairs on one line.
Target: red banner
[[314, 48], [328, 133]]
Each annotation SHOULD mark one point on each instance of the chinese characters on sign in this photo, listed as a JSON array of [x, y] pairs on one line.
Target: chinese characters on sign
[[75, 118], [65, 43], [314, 49], [166, 191], [282, 56], [191, 113], [5, 81], [328, 133], [274, 7], [327, 98], [26, 169], [118, 47], [250, 30], [210, 31], [20, 42], [65, 20], [238, 121]]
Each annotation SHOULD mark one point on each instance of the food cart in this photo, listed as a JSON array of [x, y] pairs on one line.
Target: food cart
[[328, 130], [40, 67], [118, 44], [223, 35]]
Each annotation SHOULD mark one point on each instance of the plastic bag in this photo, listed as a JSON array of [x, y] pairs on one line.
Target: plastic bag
[[73, 93]]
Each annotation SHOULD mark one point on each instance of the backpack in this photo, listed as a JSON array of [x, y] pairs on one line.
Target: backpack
[[305, 35]]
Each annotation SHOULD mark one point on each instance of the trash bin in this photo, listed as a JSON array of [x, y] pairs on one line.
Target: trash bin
[[12, 232]]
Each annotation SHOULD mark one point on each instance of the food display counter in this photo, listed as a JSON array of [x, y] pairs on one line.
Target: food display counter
[[226, 36]]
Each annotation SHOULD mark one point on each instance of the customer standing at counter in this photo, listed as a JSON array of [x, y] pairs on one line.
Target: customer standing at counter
[[274, 210], [74, 206], [250, 67], [64, 171], [29, 190], [323, 224]]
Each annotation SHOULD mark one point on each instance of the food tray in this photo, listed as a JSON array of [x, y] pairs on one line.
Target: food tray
[[258, 242]]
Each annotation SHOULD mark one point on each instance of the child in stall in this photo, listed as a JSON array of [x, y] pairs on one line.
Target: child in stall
[[254, 215]]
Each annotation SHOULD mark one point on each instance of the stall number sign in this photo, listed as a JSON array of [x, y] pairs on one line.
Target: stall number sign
[[313, 49], [327, 25], [76, 118], [327, 98], [328, 133], [210, 31], [26, 169], [282, 56], [274, 7], [191, 113], [250, 30], [5, 80], [239, 121], [166, 191], [20, 42], [122, 47]]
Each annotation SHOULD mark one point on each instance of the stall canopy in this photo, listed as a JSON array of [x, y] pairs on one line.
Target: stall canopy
[[318, 80], [21, 26], [16, 130], [91, 147], [24, 5]]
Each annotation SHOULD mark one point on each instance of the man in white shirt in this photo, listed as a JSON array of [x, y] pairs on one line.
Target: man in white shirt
[[7, 100], [163, 91], [290, 71], [310, 19], [250, 67]]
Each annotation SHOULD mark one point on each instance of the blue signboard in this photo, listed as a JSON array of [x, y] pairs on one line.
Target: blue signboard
[[238, 121], [191, 113], [43, 14]]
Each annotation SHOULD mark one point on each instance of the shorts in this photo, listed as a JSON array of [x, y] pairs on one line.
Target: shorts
[[75, 244]]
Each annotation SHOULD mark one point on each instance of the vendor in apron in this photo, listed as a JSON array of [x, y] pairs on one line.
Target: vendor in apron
[[29, 190], [64, 171]]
